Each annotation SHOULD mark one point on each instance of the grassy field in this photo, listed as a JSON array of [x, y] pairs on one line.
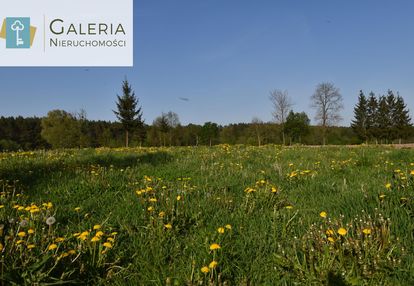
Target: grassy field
[[226, 215]]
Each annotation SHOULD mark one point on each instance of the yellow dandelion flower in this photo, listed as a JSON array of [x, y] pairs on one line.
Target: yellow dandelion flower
[[388, 186], [99, 233], [215, 246], [1, 206], [228, 226], [274, 190], [71, 252], [330, 239], [412, 173], [19, 242], [289, 207], [342, 231], [153, 200], [30, 231], [161, 214], [168, 226], [323, 214], [107, 244], [59, 239], [95, 239], [150, 209], [96, 226], [52, 246], [111, 239], [366, 231], [77, 209], [205, 269], [178, 198], [31, 246], [329, 232], [21, 234], [213, 264], [220, 230]]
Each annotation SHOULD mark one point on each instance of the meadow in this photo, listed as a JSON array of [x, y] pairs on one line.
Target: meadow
[[224, 215]]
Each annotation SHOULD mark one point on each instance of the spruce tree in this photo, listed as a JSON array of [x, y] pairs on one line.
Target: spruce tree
[[383, 119], [391, 133], [359, 124], [372, 114], [401, 118], [128, 112]]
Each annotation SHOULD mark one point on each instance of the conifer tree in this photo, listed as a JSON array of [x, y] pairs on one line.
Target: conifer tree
[[128, 112], [401, 118], [359, 124], [372, 124]]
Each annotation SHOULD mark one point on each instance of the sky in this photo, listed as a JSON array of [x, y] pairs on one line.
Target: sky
[[225, 56]]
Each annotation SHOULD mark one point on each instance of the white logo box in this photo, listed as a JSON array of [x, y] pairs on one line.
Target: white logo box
[[82, 33]]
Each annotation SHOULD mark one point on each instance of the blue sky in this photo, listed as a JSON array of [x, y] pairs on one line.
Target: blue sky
[[225, 57]]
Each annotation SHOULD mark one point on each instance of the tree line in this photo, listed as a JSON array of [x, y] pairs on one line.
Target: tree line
[[378, 119]]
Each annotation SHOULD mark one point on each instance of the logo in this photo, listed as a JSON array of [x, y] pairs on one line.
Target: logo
[[18, 32]]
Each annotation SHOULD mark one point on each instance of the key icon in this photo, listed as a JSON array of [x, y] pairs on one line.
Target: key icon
[[18, 27]]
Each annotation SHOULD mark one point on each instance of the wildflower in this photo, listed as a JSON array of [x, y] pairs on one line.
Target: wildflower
[[110, 239], [366, 231], [323, 214], [205, 269], [107, 244], [228, 226], [330, 239], [19, 241], [412, 173], [95, 239], [114, 233], [214, 246], [59, 239], [329, 232], [388, 186], [249, 190], [153, 200], [1, 206], [220, 230], [30, 231], [168, 226], [289, 207], [21, 234], [71, 252], [382, 196], [96, 226], [99, 234], [77, 209], [52, 246], [30, 246], [178, 198], [150, 209], [342, 231], [213, 264], [161, 214], [274, 190], [50, 220]]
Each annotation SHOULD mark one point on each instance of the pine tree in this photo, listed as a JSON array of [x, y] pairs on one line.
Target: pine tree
[[129, 114], [359, 124], [372, 114]]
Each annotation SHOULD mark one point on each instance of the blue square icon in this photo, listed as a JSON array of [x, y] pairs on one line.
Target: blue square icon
[[18, 33]]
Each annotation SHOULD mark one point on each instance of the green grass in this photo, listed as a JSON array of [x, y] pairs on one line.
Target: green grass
[[276, 238]]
